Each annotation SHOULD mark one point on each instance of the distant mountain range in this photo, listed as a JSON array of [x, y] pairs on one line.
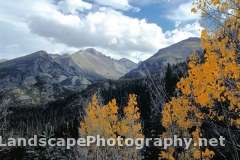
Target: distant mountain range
[[89, 64], [41, 77], [173, 54]]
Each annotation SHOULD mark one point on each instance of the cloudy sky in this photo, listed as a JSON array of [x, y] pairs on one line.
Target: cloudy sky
[[133, 29]]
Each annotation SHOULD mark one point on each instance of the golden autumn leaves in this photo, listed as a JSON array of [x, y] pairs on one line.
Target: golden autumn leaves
[[207, 87], [106, 122], [211, 90]]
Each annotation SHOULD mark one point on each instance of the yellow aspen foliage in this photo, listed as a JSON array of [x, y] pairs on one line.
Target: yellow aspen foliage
[[236, 122], [208, 154], [197, 154], [130, 125], [177, 112], [216, 2], [196, 135], [211, 89], [104, 120], [91, 123], [100, 120], [168, 154], [109, 119]]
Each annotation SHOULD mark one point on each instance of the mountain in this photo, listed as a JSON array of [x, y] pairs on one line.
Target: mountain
[[174, 54], [93, 61], [39, 78], [67, 60], [2, 60], [127, 63]]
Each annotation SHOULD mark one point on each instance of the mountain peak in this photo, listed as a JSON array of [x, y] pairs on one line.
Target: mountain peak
[[89, 51], [174, 54], [193, 38], [92, 50], [38, 54], [93, 61], [180, 50], [124, 60], [31, 58], [127, 63]]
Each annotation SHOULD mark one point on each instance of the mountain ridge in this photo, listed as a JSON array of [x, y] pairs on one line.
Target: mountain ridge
[[38, 78], [190, 43], [92, 60], [174, 54], [41, 77]]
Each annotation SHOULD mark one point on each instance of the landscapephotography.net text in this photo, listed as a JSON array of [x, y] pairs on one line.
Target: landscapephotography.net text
[[99, 141]]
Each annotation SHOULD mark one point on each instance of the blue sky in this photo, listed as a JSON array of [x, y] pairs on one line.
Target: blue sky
[[154, 14], [133, 29]]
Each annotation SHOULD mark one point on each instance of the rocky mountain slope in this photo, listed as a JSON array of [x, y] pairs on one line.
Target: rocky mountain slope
[[173, 54], [92, 61], [39, 77]]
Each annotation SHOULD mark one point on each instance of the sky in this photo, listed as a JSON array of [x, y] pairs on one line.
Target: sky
[[134, 29]]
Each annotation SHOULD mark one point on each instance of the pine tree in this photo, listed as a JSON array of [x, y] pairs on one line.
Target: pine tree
[[170, 81]]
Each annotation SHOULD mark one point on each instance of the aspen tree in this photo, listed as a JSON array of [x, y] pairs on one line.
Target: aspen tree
[[211, 90], [105, 121]]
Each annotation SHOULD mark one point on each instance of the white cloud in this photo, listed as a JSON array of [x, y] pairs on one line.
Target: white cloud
[[115, 4], [184, 32], [73, 6], [19, 41], [40, 25], [105, 28], [147, 2], [183, 13], [171, 3]]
